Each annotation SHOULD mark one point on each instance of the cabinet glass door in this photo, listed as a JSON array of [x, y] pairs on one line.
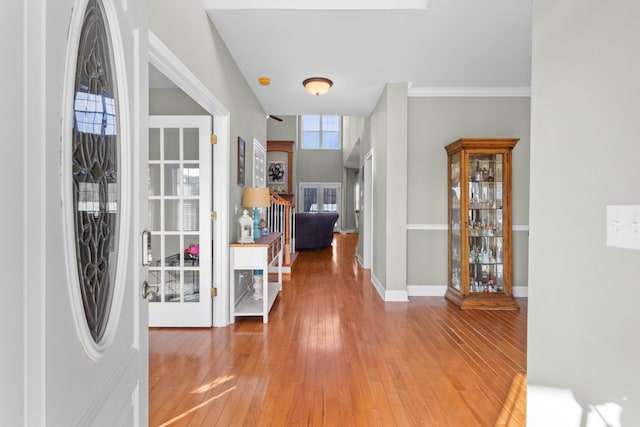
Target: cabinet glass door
[[485, 219], [454, 218]]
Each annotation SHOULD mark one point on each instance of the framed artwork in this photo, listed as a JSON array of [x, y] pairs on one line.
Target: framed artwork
[[277, 173], [241, 160]]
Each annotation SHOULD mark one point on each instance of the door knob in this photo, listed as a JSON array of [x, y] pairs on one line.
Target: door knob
[[147, 289]]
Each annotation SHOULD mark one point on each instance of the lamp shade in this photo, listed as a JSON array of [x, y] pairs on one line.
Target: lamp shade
[[255, 197], [317, 85]]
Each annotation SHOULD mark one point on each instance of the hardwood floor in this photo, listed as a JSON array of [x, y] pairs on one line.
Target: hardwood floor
[[334, 354]]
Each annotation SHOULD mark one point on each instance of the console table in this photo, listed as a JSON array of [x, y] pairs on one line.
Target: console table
[[264, 253]]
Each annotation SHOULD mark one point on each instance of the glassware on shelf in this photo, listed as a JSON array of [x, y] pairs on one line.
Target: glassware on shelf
[[480, 271]]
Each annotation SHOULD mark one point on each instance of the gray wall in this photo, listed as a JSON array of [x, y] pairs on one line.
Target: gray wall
[[388, 139], [585, 145], [188, 33], [434, 122], [173, 102], [286, 130], [319, 165], [14, 246], [348, 196], [308, 165], [378, 144]]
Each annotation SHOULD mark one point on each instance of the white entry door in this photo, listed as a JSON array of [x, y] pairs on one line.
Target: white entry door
[[86, 358], [180, 199]]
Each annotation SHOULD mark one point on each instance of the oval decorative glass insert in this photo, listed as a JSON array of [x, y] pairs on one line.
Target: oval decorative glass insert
[[95, 161]]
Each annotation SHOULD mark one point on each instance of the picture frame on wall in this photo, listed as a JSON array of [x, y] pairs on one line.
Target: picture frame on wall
[[277, 173], [242, 147]]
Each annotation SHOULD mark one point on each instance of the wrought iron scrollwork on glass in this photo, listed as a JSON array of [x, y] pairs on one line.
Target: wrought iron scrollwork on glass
[[95, 161]]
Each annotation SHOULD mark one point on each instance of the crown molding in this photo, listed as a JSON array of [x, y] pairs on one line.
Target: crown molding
[[315, 5], [469, 91]]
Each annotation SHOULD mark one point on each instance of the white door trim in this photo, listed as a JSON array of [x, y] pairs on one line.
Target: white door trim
[[166, 62], [367, 247]]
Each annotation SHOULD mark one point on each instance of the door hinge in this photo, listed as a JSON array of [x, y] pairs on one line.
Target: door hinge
[[214, 216], [214, 139], [214, 292]]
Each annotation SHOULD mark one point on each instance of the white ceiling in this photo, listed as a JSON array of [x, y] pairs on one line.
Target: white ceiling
[[451, 45]]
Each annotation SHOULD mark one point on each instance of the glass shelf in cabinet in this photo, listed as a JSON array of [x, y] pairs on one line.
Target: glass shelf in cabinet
[[485, 262]]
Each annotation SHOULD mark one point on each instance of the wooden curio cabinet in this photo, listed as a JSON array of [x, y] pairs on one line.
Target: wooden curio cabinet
[[480, 258]]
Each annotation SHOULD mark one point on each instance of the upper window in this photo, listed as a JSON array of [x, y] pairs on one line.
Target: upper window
[[321, 132]]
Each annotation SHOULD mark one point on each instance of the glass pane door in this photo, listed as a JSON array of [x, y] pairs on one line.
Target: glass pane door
[[179, 203], [454, 218], [321, 197], [486, 270]]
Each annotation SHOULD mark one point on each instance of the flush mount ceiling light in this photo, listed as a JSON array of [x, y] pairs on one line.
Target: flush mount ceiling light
[[264, 81], [317, 85]]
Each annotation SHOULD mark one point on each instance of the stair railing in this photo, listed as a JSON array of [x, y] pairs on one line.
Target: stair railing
[[280, 218]]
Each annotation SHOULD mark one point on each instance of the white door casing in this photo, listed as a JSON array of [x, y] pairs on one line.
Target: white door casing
[[168, 64], [367, 212], [74, 378], [180, 277]]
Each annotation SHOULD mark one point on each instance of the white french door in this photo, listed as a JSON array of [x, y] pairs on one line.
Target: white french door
[[321, 197], [180, 199]]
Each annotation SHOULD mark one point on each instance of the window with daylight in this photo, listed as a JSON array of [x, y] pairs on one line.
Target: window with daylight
[[321, 132]]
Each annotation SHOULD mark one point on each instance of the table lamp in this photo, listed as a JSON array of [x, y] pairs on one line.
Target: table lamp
[[255, 198]]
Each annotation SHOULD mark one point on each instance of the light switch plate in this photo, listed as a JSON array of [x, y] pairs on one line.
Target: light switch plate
[[623, 226]]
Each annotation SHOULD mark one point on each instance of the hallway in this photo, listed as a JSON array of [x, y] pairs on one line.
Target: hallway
[[334, 354]]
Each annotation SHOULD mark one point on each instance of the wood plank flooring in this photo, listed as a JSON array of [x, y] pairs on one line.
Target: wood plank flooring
[[334, 354]]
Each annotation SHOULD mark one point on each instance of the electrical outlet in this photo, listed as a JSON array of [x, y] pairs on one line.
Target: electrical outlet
[[623, 226]]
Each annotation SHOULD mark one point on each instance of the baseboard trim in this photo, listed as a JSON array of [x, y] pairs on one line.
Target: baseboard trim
[[426, 291], [439, 291], [285, 270], [396, 296], [389, 296], [521, 291]]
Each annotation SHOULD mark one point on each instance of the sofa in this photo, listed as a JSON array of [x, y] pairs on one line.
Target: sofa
[[314, 230]]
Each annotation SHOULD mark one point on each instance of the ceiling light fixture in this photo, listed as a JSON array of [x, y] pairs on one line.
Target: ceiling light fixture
[[264, 81], [317, 85]]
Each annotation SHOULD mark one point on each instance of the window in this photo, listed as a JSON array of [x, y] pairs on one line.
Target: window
[[321, 132]]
